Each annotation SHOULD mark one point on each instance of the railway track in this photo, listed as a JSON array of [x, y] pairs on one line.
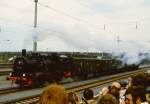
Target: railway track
[[12, 90], [79, 88], [8, 90], [4, 73]]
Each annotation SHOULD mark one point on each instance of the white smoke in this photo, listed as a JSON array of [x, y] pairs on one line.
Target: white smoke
[[133, 57], [83, 38]]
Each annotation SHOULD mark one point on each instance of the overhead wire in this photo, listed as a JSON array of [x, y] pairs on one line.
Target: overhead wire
[[103, 27], [61, 12], [69, 15], [135, 22], [80, 20]]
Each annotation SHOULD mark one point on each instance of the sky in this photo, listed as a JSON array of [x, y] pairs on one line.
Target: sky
[[76, 25]]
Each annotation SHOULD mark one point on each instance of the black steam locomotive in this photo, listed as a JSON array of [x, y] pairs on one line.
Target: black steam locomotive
[[36, 69]]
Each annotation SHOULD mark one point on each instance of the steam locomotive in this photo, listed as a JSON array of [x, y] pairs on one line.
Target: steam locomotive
[[36, 69]]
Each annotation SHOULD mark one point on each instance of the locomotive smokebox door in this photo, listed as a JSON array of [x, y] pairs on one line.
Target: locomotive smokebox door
[[24, 52]]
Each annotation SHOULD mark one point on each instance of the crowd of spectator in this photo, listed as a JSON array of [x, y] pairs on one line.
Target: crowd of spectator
[[134, 91]]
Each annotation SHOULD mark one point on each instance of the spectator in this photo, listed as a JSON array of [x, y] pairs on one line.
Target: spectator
[[104, 90], [117, 85], [129, 82], [148, 94], [123, 84], [139, 79], [134, 95], [108, 99], [139, 83], [115, 92], [88, 94], [148, 98], [54, 94], [88, 97], [122, 91], [73, 98], [148, 80]]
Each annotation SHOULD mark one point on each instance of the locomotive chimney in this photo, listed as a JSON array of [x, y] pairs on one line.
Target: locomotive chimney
[[34, 46], [24, 52]]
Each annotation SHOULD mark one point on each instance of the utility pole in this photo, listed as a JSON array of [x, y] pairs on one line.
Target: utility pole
[[136, 25], [0, 29], [104, 26], [35, 25], [35, 15], [118, 40], [118, 43]]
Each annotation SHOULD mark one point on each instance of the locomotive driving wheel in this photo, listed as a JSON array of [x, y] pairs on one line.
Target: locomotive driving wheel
[[58, 76], [39, 79]]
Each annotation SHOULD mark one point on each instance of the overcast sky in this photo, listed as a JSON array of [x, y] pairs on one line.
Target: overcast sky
[[76, 25]]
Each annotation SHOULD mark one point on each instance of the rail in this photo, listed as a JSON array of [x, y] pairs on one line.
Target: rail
[[6, 65]]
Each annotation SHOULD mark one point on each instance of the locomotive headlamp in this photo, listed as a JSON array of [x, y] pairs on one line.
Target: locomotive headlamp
[[24, 75], [20, 62], [10, 74]]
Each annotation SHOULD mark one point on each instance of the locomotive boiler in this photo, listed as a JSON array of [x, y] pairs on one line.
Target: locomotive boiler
[[36, 69]]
